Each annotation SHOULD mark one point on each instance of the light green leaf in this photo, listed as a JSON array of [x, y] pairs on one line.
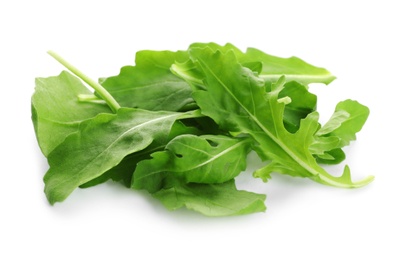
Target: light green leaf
[[347, 120], [214, 200], [271, 68], [237, 100], [56, 111], [322, 144], [100, 144], [150, 84], [190, 158], [336, 120], [293, 68]]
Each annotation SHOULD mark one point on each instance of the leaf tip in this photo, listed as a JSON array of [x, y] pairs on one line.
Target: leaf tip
[[347, 177]]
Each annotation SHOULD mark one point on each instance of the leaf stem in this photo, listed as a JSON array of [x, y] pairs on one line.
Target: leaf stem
[[102, 92], [90, 98]]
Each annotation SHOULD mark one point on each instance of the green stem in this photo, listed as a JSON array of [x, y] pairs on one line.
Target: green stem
[[188, 107], [102, 92], [90, 98]]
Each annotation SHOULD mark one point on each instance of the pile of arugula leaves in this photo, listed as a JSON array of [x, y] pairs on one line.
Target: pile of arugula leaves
[[181, 124]]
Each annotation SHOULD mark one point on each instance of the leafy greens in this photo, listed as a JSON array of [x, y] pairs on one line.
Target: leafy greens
[[181, 124]]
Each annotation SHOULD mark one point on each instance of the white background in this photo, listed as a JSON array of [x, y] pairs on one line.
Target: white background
[[355, 40]]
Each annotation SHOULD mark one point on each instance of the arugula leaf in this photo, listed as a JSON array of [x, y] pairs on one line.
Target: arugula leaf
[[56, 111], [271, 68], [100, 144], [302, 103], [214, 200], [293, 68], [190, 158], [237, 100], [150, 84], [348, 118], [103, 95], [124, 170]]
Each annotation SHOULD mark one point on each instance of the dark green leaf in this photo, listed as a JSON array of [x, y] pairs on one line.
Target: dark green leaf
[[190, 158], [334, 156], [237, 100], [213, 200], [124, 170], [99, 145], [302, 103]]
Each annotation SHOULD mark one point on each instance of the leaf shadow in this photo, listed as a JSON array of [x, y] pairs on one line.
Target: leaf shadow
[[280, 189]]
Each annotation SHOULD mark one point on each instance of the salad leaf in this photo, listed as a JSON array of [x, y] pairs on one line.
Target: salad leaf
[[214, 200], [271, 68], [180, 125], [348, 119], [56, 111], [217, 159], [293, 68], [124, 170], [150, 84], [100, 144], [301, 104], [237, 100]]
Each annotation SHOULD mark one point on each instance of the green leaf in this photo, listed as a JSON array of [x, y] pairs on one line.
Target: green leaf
[[124, 170], [213, 200], [334, 156], [205, 124], [271, 68], [99, 90], [322, 144], [336, 120], [198, 159], [302, 103], [100, 144], [150, 84], [293, 68], [347, 120], [237, 100], [56, 111]]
